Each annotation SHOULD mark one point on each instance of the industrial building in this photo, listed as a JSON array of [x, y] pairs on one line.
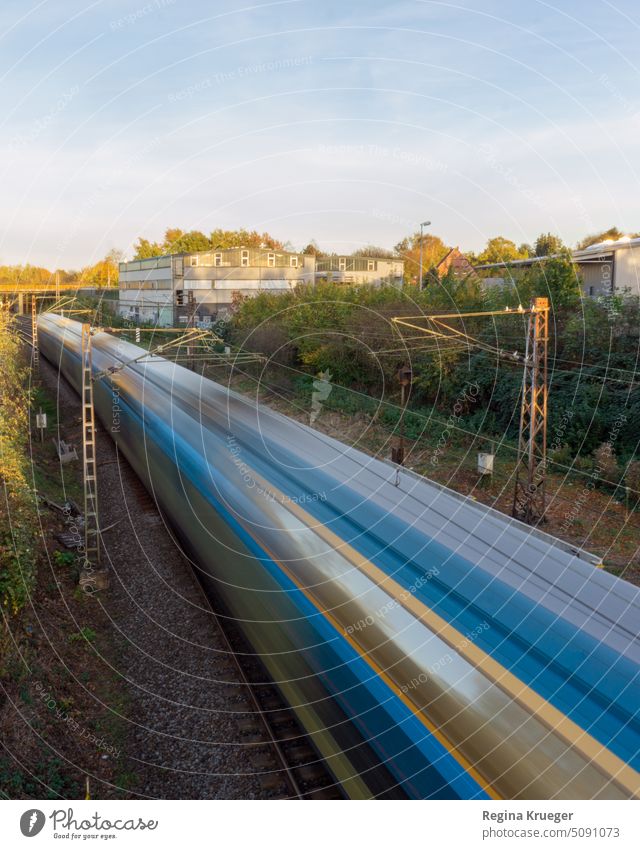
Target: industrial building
[[606, 268], [170, 290], [359, 270]]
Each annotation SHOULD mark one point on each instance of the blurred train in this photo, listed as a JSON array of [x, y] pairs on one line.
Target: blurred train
[[430, 646]]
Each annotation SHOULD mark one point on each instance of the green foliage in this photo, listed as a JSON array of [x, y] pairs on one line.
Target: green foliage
[[548, 244], [87, 634], [500, 249], [556, 278], [18, 511], [144, 249], [47, 780], [184, 243], [348, 332], [178, 241], [243, 238], [64, 558]]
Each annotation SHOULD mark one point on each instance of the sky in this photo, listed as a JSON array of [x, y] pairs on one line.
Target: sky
[[344, 122]]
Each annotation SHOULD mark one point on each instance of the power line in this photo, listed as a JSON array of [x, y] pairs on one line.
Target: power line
[[448, 424]]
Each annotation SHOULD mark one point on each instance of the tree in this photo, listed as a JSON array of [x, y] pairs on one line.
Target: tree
[[312, 249], [222, 239], [499, 249], [433, 250], [104, 272], [188, 243], [547, 245], [374, 250], [171, 236], [144, 249], [526, 250], [556, 278], [612, 233]]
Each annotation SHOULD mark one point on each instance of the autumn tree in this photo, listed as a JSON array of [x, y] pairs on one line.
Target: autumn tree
[[221, 239], [312, 249], [500, 249], [433, 250], [144, 249], [104, 272], [185, 243]]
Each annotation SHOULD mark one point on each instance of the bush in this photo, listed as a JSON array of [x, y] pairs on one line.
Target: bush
[[18, 511]]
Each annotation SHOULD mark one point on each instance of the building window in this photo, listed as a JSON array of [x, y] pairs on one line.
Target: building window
[[342, 264], [194, 260], [217, 259], [244, 258], [591, 291], [371, 266], [293, 261], [271, 260]]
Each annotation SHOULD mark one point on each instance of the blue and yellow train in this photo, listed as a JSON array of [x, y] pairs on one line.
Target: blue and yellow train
[[431, 647]]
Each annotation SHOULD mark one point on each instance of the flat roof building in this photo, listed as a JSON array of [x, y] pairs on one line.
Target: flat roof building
[[359, 270], [170, 290]]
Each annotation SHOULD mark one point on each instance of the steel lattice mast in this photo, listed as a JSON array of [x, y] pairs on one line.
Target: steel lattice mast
[[35, 350], [529, 500], [89, 468]]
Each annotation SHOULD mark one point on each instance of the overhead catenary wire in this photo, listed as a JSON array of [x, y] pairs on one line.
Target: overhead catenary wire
[[283, 391], [448, 424]]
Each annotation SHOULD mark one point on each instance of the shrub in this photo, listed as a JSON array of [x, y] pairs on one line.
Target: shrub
[[18, 511]]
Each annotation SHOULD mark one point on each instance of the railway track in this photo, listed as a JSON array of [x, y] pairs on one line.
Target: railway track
[[288, 763]]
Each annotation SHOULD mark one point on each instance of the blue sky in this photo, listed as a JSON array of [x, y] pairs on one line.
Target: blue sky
[[344, 122]]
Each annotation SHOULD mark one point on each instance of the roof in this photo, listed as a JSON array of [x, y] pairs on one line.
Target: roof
[[594, 253], [457, 260]]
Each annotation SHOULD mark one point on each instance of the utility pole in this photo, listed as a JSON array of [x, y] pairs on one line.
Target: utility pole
[[529, 500], [34, 333], [422, 226], [89, 468]]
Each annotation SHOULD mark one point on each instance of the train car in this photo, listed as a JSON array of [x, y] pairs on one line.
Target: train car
[[431, 647]]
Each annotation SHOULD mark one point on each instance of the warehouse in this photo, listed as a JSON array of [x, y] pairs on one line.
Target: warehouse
[[169, 290], [606, 268]]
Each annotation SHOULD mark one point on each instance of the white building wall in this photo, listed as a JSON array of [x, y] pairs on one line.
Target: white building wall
[[627, 270]]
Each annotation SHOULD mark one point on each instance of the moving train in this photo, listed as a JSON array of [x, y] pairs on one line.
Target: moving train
[[431, 647]]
